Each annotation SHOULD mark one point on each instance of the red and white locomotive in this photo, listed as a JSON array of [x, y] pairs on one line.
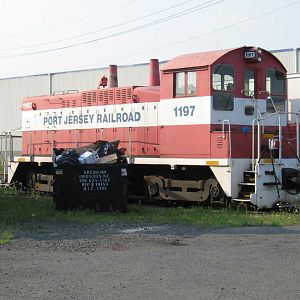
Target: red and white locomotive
[[210, 126]]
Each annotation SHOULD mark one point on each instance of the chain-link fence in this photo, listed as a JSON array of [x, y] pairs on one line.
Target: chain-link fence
[[10, 146]]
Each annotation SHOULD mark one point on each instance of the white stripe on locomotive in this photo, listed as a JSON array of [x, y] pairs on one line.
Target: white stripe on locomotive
[[183, 111]]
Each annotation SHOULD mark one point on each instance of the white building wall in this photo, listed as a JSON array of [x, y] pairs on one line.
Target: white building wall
[[89, 79], [134, 75], [293, 86], [289, 58], [293, 95], [77, 80], [12, 92]]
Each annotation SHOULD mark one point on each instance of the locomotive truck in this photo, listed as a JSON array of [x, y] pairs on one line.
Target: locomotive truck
[[210, 127]]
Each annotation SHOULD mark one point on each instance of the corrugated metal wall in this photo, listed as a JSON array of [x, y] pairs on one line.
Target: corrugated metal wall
[[89, 79], [14, 90], [135, 75], [294, 86], [288, 58], [78, 80]]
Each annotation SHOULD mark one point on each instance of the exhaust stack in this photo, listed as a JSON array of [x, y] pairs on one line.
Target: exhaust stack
[[112, 76], [154, 77]]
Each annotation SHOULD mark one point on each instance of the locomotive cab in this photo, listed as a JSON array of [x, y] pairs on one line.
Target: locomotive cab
[[218, 91]]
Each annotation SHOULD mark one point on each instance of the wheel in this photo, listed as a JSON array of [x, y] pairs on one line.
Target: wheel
[[153, 189], [152, 186], [213, 191]]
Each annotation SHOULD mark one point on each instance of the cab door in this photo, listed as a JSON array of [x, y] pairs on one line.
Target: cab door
[[250, 93]]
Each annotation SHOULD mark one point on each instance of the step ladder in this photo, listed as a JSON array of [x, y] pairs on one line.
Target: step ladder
[[247, 188]]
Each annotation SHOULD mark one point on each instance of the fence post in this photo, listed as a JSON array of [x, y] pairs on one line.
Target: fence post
[[1, 144], [1, 150], [5, 157], [11, 147]]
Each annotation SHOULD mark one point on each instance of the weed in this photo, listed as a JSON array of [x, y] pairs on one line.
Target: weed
[[5, 237], [1, 168]]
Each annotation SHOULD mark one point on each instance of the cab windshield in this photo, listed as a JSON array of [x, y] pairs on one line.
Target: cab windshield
[[276, 87]]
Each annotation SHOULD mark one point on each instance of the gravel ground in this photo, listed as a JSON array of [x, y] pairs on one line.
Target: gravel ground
[[130, 261]]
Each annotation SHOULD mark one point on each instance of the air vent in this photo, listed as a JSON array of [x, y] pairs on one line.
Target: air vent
[[66, 103], [219, 142], [123, 95], [103, 97], [89, 98], [84, 98]]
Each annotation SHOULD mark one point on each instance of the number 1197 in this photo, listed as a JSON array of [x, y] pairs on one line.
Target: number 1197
[[184, 111]]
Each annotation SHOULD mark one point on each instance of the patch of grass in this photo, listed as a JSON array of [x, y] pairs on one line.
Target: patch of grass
[[5, 237], [19, 208]]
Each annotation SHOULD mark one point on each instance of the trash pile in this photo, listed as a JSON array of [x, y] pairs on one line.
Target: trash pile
[[100, 152]]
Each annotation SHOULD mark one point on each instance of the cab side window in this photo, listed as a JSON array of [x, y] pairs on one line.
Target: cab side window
[[179, 84], [185, 83], [223, 86]]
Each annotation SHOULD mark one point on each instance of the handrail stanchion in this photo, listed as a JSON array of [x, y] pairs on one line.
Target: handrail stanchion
[[258, 140], [253, 143], [280, 138], [130, 144], [30, 147]]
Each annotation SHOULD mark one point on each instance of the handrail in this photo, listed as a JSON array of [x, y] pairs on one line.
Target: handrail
[[253, 142], [229, 135], [74, 91], [280, 136], [130, 144]]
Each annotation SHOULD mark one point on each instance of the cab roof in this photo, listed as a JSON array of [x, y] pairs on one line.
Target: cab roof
[[194, 60], [204, 59]]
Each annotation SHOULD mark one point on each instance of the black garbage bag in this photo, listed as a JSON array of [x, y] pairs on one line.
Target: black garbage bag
[[111, 148], [122, 158], [68, 158], [106, 148]]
